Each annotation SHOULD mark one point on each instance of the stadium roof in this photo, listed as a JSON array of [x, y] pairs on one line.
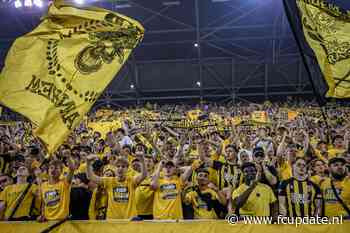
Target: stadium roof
[[194, 49]]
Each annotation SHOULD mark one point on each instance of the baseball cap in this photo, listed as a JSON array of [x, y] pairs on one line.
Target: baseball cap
[[258, 151]]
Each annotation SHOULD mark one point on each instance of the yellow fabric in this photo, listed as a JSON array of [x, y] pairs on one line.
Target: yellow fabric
[[334, 152], [194, 114], [167, 199], [258, 203], [56, 199], [332, 206], [98, 204], [144, 198], [327, 32], [121, 197], [161, 227], [292, 115], [50, 75], [199, 206], [104, 127], [10, 197], [317, 179], [259, 117], [285, 171]]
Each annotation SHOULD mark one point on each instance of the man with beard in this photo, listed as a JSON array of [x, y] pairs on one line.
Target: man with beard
[[338, 182], [252, 197]]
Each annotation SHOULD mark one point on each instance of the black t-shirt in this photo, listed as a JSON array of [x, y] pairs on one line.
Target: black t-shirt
[[79, 203], [5, 160], [264, 180]]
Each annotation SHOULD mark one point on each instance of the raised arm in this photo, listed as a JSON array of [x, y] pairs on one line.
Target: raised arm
[[89, 170], [139, 178], [156, 175]]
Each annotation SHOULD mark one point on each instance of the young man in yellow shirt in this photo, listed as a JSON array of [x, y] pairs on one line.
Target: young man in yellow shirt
[[206, 200], [254, 198], [120, 189], [167, 198], [11, 196], [55, 193], [341, 184], [144, 194]]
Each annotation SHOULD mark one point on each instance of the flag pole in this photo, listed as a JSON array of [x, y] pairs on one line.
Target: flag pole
[[303, 57]]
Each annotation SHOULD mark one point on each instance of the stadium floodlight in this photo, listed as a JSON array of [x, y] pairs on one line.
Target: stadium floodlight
[[18, 4], [28, 3], [38, 3], [80, 2]]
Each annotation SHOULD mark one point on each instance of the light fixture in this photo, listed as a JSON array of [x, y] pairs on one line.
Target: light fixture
[[198, 83], [80, 2], [18, 4], [28, 3], [196, 45], [38, 3], [132, 86]]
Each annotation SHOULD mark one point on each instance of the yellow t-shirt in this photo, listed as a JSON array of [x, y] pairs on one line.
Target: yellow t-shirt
[[200, 207], [317, 179], [56, 198], [167, 199], [144, 196], [258, 202], [98, 204], [332, 206], [121, 197], [10, 196], [334, 152]]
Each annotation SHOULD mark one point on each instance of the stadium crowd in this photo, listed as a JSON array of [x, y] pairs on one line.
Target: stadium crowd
[[182, 162]]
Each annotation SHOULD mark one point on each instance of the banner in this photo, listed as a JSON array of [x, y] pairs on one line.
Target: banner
[[326, 30], [259, 117], [112, 226], [54, 74]]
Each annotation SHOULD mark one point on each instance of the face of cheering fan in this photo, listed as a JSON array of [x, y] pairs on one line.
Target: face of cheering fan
[[299, 167], [22, 171]]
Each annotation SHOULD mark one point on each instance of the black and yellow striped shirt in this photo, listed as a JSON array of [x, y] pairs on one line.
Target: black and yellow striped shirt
[[228, 175], [300, 196]]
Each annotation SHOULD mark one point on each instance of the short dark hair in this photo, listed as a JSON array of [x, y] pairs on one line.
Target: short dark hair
[[233, 146], [248, 164], [121, 130]]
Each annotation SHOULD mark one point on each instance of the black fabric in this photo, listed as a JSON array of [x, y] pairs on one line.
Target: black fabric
[[346, 208], [79, 203], [19, 201], [264, 180], [219, 209], [146, 217]]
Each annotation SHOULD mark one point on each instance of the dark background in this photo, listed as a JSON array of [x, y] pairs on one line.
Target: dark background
[[246, 51]]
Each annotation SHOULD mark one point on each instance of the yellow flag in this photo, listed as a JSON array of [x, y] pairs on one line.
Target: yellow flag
[[292, 115], [326, 30], [54, 74], [259, 117]]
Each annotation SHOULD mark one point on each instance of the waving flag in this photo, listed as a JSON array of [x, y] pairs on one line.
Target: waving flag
[[54, 74]]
